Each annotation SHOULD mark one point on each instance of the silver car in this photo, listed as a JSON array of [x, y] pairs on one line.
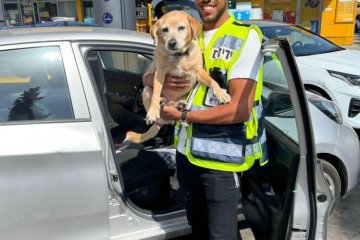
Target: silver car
[[68, 95]]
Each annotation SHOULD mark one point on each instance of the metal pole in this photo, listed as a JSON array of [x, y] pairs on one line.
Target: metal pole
[[80, 10]]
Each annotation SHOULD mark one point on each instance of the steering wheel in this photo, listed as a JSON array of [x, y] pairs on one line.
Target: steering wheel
[[297, 43]]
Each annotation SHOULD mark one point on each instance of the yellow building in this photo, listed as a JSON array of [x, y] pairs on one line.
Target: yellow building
[[332, 19]]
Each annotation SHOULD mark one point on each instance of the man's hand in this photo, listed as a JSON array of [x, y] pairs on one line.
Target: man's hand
[[171, 82], [170, 112], [176, 83]]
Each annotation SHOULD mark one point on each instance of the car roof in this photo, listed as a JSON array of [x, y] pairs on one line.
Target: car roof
[[266, 23], [46, 34]]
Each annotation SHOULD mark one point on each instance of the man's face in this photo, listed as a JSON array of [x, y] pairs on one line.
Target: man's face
[[211, 10]]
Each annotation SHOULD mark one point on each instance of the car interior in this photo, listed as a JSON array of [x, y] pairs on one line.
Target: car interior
[[148, 170]]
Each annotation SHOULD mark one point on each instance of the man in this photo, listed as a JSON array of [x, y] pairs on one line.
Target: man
[[215, 142]]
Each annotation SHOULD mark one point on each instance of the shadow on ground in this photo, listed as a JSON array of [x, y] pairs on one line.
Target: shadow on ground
[[344, 223]]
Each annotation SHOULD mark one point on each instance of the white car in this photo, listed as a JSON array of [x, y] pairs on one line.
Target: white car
[[336, 143], [325, 68]]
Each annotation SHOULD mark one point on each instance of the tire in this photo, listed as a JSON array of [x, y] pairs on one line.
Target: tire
[[332, 178]]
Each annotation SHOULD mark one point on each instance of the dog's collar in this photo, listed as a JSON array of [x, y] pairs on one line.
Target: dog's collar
[[179, 54]]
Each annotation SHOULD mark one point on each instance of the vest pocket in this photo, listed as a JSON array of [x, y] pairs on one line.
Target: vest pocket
[[236, 131], [218, 150]]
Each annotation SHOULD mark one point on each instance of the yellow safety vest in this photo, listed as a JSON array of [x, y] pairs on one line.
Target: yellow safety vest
[[228, 147]]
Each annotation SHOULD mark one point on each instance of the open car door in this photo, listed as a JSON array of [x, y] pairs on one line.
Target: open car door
[[287, 198]]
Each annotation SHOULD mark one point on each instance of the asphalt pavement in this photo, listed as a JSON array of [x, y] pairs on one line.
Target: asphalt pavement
[[344, 223]]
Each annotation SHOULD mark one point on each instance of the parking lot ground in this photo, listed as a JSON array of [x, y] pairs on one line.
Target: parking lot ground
[[344, 223]]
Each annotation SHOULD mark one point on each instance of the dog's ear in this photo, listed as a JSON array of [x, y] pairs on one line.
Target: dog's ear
[[195, 26], [154, 31]]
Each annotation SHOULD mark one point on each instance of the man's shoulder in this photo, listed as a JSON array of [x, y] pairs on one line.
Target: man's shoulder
[[240, 24]]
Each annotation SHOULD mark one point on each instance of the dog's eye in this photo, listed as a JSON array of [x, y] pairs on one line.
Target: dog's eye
[[165, 30], [181, 28]]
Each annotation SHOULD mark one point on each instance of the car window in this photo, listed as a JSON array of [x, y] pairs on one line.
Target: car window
[[125, 61], [118, 76], [276, 98], [33, 85], [302, 42]]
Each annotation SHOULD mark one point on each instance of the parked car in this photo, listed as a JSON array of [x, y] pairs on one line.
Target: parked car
[[336, 144], [66, 99], [325, 68]]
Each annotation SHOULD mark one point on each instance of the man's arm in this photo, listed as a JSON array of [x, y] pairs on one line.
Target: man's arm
[[238, 110]]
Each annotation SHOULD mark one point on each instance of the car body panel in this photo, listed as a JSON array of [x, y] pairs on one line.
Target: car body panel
[[34, 158], [339, 141], [342, 61]]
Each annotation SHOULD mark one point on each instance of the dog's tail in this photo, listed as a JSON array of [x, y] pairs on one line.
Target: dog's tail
[[143, 137]]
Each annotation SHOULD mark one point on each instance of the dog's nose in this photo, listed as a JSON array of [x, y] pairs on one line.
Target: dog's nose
[[172, 44]]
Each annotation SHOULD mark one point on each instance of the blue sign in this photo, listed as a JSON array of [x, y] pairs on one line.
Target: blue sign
[[242, 15], [107, 18]]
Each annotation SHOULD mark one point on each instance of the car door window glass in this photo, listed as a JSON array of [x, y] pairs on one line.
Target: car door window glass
[[125, 61], [118, 76], [33, 85], [276, 97]]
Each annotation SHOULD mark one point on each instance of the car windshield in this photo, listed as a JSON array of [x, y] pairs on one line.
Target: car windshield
[[303, 42]]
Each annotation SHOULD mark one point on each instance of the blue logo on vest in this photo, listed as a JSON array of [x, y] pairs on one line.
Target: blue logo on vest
[[107, 18]]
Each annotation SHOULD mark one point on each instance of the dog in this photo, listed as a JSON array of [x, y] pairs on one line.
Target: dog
[[177, 53]]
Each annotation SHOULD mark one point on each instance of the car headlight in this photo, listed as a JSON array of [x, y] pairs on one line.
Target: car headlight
[[329, 108], [348, 78]]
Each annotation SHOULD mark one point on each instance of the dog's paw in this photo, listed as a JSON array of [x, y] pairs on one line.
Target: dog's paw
[[152, 115], [223, 97], [181, 105]]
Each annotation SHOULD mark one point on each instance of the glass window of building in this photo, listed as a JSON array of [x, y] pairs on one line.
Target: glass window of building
[[67, 9], [28, 13], [46, 11], [12, 14], [25, 12], [88, 9]]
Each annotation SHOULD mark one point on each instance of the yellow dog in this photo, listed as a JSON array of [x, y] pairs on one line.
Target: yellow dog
[[177, 53]]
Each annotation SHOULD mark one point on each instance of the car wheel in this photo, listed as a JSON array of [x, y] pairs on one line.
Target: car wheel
[[315, 92], [332, 178]]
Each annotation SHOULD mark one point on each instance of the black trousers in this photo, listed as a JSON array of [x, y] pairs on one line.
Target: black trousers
[[211, 200]]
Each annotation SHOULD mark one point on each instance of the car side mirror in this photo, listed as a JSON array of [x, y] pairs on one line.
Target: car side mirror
[[279, 105]]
